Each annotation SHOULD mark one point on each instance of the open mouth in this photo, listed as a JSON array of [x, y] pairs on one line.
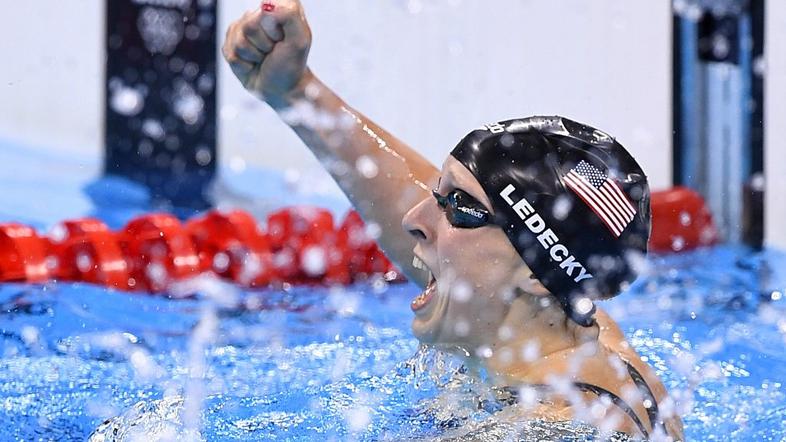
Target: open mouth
[[428, 293]]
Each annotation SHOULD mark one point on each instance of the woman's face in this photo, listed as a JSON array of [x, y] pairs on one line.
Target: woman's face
[[474, 270]]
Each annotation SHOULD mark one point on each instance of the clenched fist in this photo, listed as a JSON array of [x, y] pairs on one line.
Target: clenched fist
[[267, 50]]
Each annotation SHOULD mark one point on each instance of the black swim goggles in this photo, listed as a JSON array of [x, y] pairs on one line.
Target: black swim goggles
[[462, 210]]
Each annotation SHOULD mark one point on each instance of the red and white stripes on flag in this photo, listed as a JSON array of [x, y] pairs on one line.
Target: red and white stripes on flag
[[602, 195]]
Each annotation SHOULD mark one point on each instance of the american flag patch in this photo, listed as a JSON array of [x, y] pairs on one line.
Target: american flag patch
[[602, 195]]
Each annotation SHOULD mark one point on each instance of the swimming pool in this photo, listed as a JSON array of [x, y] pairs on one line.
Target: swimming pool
[[339, 364]]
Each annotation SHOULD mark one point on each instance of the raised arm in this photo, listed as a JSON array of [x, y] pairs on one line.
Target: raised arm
[[267, 50]]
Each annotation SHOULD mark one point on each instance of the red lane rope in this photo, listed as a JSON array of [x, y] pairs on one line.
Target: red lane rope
[[680, 221], [302, 245]]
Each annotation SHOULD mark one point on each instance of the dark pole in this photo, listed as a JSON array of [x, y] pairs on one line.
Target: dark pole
[[718, 111], [160, 126]]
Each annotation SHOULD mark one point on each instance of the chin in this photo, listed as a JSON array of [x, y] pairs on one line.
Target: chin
[[424, 331]]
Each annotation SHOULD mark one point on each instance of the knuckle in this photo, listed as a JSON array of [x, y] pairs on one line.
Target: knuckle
[[226, 50], [289, 11], [302, 50]]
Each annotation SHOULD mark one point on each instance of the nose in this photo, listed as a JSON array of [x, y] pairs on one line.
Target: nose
[[416, 221]]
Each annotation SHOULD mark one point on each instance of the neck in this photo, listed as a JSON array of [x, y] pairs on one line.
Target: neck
[[531, 336]]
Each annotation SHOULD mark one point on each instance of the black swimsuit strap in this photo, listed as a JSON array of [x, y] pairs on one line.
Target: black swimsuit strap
[[618, 401], [587, 388], [641, 385], [649, 398]]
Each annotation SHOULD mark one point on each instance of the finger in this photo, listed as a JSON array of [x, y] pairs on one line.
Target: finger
[[272, 29], [237, 46], [239, 65], [248, 52], [252, 29], [292, 20], [227, 49], [285, 19], [242, 68]]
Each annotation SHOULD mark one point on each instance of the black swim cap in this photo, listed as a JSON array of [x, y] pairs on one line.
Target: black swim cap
[[573, 202]]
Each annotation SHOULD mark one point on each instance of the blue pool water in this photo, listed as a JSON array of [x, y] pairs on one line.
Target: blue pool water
[[275, 365], [337, 364]]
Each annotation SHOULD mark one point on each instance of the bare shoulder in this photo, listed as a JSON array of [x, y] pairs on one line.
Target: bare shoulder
[[612, 337]]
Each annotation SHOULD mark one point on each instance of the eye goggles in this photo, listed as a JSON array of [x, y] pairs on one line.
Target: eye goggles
[[462, 210]]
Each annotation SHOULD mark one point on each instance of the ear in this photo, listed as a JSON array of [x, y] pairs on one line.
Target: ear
[[526, 281]]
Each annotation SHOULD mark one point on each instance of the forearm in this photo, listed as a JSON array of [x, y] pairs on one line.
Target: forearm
[[381, 175]]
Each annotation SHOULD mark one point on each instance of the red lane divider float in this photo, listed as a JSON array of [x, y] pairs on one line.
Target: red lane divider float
[[231, 245], [158, 251], [364, 256], [680, 221], [22, 254], [86, 250], [304, 246], [301, 246]]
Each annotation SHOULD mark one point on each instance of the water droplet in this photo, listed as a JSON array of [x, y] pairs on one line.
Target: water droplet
[[507, 140], [460, 291], [220, 262], [530, 351], [461, 328], [367, 166], [203, 156], [373, 230], [251, 268], [358, 418], [528, 396], [505, 333], [484, 352], [758, 182], [30, 334], [345, 302], [583, 305], [677, 243], [760, 66], [58, 233], [84, 263], [313, 261], [153, 129], [720, 46], [127, 101], [156, 273], [187, 104], [505, 355], [562, 207]]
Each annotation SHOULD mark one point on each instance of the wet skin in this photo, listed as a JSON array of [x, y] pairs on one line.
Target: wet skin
[[476, 270], [486, 306], [483, 304]]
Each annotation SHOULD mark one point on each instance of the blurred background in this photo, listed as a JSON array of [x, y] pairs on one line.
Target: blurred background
[[430, 71]]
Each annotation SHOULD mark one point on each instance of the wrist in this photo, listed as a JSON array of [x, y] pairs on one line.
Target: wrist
[[297, 94]]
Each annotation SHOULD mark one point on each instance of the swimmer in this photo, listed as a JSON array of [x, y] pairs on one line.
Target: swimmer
[[529, 222]]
